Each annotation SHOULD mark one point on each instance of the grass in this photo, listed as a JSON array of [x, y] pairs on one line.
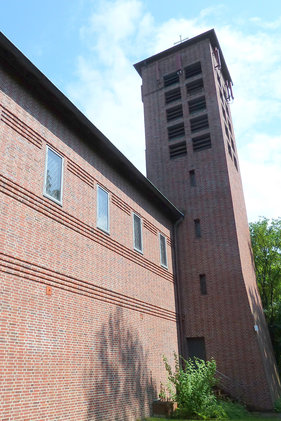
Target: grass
[[249, 418]]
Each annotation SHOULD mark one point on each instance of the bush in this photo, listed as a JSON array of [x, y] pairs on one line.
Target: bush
[[277, 405], [190, 385], [234, 410]]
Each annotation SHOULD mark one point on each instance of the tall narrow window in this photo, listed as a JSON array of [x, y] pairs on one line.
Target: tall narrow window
[[197, 228], [192, 178], [102, 209], [163, 251], [137, 233], [203, 284], [53, 176]]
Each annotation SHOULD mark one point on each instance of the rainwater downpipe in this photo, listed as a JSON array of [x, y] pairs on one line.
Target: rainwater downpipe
[[178, 285]]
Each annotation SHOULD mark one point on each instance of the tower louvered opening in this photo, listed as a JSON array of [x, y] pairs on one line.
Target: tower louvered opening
[[200, 143], [172, 95], [173, 113], [171, 79], [199, 123], [193, 70], [176, 131], [177, 150], [198, 104], [194, 87]]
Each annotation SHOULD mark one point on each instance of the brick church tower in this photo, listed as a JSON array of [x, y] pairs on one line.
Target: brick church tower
[[192, 158]]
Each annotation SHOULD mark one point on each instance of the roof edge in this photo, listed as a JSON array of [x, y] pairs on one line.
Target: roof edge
[[210, 34], [48, 93]]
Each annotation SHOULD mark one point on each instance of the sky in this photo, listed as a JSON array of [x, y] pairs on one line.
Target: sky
[[87, 48]]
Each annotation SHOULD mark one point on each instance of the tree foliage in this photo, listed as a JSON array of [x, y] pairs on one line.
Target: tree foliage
[[266, 243], [191, 386]]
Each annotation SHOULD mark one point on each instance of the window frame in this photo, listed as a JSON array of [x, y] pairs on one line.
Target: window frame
[[141, 231], [59, 202], [107, 231], [165, 242]]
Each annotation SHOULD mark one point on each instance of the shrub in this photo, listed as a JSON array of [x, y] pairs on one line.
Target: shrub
[[234, 410], [190, 385], [277, 405]]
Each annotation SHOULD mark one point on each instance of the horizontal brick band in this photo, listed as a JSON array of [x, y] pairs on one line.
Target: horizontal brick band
[[54, 212], [40, 274], [21, 128]]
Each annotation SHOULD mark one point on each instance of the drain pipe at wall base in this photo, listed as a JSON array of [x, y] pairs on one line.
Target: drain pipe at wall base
[[178, 285]]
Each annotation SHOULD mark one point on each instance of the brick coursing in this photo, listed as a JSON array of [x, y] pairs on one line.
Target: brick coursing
[[85, 318], [226, 316]]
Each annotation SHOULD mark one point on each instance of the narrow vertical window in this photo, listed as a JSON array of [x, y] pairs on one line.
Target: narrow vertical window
[[197, 228], [163, 251], [102, 209], [203, 284], [192, 178], [137, 226], [53, 176]]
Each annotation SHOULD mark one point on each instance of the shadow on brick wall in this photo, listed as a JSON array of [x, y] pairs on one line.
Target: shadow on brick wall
[[265, 344], [118, 382]]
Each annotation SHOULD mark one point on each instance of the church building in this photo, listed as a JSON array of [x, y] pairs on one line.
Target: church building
[[104, 270]]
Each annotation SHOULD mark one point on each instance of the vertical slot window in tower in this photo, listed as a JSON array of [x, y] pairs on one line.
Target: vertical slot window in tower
[[137, 232], [203, 284], [235, 162], [226, 130], [192, 178], [223, 111], [197, 228], [163, 251], [227, 110], [229, 150]]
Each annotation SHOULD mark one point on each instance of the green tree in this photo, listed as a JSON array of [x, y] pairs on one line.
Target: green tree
[[266, 243]]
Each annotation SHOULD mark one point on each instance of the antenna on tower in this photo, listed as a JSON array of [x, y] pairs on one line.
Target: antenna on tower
[[181, 40]]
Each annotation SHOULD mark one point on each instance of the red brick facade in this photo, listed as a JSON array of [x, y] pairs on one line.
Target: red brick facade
[[85, 318], [192, 158]]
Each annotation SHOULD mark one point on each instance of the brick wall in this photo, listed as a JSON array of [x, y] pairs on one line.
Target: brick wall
[[85, 318], [226, 315]]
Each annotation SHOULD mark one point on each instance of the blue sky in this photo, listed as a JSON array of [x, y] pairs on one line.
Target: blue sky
[[87, 49]]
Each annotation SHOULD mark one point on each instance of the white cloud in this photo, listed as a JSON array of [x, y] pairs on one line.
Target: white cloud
[[107, 87], [276, 24], [260, 165]]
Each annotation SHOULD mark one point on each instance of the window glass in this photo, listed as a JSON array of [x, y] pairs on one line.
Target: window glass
[[197, 227], [53, 176], [137, 233], [203, 284], [102, 209], [163, 251]]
